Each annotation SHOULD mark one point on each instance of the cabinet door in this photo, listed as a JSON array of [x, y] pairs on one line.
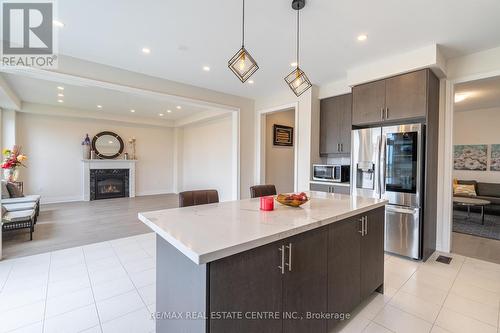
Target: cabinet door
[[330, 126], [247, 282], [406, 96], [368, 102], [320, 187], [372, 253], [343, 267], [341, 189], [346, 124], [304, 285]]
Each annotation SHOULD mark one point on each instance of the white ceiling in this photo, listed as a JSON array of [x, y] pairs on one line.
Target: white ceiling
[[81, 97], [480, 94], [186, 35]]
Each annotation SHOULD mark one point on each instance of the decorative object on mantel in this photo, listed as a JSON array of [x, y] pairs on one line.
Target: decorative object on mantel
[[282, 135], [93, 156], [86, 147], [13, 160], [495, 158], [125, 156], [107, 145], [132, 141], [470, 157]]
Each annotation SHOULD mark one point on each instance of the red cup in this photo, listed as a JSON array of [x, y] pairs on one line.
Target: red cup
[[267, 203]]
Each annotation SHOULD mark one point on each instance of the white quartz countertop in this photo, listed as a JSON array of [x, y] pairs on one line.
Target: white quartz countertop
[[210, 232]]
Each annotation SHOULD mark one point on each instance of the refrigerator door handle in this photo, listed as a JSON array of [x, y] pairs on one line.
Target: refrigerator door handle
[[384, 165], [401, 210]]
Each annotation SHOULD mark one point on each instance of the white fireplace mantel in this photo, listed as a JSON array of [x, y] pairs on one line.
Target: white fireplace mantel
[[107, 164]]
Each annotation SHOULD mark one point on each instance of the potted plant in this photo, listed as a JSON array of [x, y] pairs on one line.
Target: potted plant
[[13, 160]]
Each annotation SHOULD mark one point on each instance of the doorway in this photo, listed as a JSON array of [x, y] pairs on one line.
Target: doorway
[[476, 169], [277, 130]]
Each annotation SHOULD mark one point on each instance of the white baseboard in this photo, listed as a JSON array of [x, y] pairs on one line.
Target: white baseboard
[[153, 192], [52, 200]]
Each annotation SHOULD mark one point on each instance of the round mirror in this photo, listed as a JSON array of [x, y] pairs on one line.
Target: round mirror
[[107, 145]]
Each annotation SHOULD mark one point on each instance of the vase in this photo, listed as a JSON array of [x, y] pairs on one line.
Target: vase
[[11, 175], [86, 152]]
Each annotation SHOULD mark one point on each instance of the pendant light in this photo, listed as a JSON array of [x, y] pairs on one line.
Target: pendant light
[[242, 64], [297, 80]]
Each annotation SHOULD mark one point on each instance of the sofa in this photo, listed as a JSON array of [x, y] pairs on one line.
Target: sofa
[[485, 191]]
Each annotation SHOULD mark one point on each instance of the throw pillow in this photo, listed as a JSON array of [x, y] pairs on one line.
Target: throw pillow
[[14, 191], [465, 190], [5, 191]]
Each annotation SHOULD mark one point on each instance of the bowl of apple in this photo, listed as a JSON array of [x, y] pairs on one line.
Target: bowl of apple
[[293, 199]]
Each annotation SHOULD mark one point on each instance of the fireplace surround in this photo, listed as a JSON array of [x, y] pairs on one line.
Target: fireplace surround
[[109, 183], [103, 167]]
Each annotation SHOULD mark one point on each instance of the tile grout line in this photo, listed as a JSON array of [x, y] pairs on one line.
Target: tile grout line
[[46, 293], [7, 277], [92, 290]]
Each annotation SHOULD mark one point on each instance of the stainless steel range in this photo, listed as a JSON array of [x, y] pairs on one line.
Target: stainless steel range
[[388, 163]]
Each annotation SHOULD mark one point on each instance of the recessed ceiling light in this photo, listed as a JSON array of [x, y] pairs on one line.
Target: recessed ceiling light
[[362, 38], [146, 50], [178, 107], [169, 111], [60, 88], [206, 68], [293, 64], [60, 95], [161, 114], [99, 106], [250, 81], [459, 97], [57, 23], [132, 110], [60, 101]]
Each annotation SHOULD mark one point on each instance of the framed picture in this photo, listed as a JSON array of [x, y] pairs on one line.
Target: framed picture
[[282, 135], [495, 158], [470, 157]]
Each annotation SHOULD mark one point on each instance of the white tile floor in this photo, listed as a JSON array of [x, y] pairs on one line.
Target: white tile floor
[[110, 287]]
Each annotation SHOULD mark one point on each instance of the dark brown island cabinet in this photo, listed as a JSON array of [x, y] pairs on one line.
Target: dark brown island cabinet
[[302, 284]]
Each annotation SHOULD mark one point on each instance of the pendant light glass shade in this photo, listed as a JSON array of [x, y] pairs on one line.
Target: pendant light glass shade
[[298, 81], [242, 64]]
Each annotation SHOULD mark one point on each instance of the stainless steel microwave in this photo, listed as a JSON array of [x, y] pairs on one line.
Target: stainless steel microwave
[[331, 173]]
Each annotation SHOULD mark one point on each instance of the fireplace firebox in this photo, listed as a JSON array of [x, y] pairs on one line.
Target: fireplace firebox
[[109, 183]]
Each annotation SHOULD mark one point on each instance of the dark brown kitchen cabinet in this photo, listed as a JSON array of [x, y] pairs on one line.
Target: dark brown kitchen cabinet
[[406, 96], [355, 261], [247, 282], [330, 188], [305, 281], [335, 125], [285, 277], [372, 252], [396, 99], [368, 103]]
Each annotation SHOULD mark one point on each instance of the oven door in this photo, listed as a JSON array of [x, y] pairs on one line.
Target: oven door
[[402, 154], [402, 231], [323, 172]]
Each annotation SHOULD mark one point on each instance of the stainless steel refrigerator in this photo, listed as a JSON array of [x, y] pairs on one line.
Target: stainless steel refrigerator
[[387, 162]]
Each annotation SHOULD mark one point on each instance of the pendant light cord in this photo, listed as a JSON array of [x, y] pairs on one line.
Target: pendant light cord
[[243, 27], [298, 23]]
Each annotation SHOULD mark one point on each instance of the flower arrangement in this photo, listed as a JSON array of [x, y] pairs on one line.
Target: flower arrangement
[[13, 159]]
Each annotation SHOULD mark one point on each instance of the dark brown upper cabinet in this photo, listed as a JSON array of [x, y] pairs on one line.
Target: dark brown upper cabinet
[[399, 98], [335, 125]]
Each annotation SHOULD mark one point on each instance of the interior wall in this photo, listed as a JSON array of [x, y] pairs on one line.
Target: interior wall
[[279, 159], [206, 157], [53, 146], [8, 131], [477, 127]]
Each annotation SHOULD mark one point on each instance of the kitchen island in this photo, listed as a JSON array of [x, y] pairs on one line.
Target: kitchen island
[[229, 267]]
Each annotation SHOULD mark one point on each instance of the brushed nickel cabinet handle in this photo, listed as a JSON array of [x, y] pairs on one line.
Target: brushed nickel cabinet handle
[[341, 147], [289, 264], [366, 225], [282, 267], [362, 231], [386, 113], [382, 113]]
